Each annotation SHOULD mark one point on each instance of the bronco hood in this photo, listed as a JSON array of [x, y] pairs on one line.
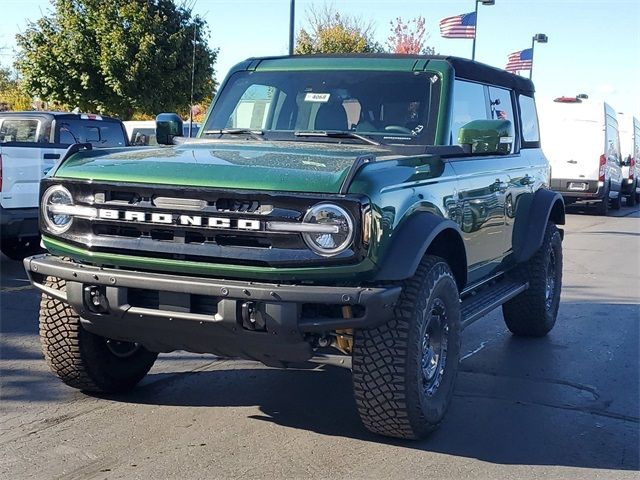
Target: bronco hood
[[281, 166]]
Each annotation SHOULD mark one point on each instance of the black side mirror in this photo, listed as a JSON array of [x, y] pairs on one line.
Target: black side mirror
[[168, 126]]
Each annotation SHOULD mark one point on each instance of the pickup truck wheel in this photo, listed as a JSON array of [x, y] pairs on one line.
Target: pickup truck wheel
[[82, 359], [17, 249], [533, 313], [404, 371]]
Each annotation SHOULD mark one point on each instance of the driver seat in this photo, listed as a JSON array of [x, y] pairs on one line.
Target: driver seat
[[331, 116]]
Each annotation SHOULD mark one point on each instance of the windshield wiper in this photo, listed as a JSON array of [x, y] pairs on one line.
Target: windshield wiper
[[256, 134], [335, 134]]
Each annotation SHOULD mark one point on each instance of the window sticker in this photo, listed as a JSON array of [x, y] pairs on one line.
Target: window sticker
[[317, 97]]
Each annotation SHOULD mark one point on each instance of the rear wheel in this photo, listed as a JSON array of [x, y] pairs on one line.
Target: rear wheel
[[602, 208], [83, 360], [631, 200], [404, 371], [533, 313], [616, 203]]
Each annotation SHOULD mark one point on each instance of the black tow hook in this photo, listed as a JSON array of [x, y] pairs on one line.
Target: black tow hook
[[252, 317], [95, 299]]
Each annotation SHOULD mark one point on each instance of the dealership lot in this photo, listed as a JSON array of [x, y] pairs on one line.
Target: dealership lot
[[563, 406]]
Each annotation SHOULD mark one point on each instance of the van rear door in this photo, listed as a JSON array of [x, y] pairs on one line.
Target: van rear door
[[574, 149], [26, 158]]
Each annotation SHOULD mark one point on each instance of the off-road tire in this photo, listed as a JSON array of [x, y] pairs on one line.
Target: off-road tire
[[530, 314], [17, 249], [80, 358], [387, 375], [616, 203]]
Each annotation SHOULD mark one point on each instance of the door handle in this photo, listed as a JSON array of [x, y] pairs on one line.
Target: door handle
[[51, 156], [572, 161]]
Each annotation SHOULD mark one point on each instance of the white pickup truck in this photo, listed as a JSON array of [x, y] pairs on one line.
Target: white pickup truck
[[31, 143]]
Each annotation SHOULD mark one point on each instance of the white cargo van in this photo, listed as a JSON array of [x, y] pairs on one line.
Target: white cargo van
[[580, 138], [31, 144], [630, 146]]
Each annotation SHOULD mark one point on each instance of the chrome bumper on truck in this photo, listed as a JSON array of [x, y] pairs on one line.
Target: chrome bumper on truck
[[259, 321]]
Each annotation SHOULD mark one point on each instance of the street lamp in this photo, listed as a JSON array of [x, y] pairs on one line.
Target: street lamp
[[478, 2], [292, 17], [540, 38]]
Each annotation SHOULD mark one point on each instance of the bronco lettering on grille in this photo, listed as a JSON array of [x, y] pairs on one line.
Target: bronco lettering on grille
[[177, 219]]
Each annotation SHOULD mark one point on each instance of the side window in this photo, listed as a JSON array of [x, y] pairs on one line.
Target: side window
[[612, 146], [252, 108], [468, 104], [529, 118], [19, 130], [501, 106], [500, 103]]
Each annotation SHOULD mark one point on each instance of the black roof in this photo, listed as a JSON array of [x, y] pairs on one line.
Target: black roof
[[464, 68]]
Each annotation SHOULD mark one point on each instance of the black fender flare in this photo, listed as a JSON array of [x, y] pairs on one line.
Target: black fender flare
[[532, 214], [412, 240]]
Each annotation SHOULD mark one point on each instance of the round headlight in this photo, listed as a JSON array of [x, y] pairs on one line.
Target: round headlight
[[329, 243], [54, 201]]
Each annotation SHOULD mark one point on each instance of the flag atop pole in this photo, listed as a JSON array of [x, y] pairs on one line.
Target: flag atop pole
[[459, 26], [520, 60]]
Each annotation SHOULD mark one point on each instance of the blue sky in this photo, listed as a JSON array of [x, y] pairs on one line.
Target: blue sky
[[594, 45]]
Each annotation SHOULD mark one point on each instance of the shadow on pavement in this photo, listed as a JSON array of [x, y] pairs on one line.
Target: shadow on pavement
[[518, 401]]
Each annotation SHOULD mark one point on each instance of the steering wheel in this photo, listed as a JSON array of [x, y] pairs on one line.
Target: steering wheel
[[398, 129]]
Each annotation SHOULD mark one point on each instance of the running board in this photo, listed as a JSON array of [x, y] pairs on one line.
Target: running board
[[477, 304]]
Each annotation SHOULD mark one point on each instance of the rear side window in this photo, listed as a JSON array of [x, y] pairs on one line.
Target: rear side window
[[612, 147], [95, 132], [468, 104], [19, 130], [529, 118]]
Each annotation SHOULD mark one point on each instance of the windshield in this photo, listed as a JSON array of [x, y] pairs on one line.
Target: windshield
[[391, 107]]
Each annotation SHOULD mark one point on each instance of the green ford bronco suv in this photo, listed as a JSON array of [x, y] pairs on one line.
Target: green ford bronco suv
[[356, 210]]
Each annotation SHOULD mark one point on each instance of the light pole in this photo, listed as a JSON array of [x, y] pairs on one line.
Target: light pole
[[540, 38], [292, 17], [483, 2]]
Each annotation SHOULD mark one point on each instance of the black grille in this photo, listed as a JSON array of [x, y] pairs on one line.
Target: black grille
[[204, 243]]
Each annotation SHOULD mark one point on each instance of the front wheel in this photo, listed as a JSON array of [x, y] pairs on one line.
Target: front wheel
[[404, 371], [82, 359], [533, 313]]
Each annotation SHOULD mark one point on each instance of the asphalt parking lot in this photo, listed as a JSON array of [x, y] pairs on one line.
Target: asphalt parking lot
[[566, 406]]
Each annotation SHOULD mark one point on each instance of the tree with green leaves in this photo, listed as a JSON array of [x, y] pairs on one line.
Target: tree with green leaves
[[330, 32], [117, 57], [12, 94]]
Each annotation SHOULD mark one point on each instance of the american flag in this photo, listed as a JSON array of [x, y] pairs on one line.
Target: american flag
[[520, 60], [460, 26]]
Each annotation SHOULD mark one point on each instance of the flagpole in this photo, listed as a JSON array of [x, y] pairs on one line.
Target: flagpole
[[473, 51], [533, 44]]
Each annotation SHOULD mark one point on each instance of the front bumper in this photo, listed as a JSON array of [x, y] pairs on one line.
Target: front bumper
[[165, 312], [19, 222]]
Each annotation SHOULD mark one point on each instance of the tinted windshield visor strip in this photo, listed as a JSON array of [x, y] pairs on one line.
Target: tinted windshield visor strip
[[302, 227]]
